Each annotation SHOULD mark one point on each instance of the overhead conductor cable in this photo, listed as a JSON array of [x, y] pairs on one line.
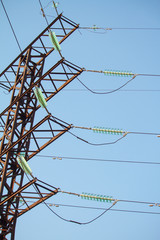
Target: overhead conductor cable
[[52, 35]]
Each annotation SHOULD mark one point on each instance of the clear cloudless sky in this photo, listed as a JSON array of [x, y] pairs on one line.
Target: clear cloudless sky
[[131, 110]]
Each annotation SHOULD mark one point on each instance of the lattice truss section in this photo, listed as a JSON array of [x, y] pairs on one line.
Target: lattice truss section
[[41, 48], [18, 116], [22, 130], [21, 135], [24, 199]]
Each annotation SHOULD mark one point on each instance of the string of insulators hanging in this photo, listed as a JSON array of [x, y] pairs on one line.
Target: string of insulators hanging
[[108, 131], [24, 165], [39, 95], [118, 73], [101, 198], [114, 73], [54, 41]]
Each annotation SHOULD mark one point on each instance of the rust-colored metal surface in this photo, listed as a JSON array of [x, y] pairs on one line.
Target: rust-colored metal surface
[[24, 132]]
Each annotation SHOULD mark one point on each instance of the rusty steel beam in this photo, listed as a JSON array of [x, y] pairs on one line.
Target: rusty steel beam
[[18, 191], [66, 82], [17, 212], [25, 135], [4, 222], [12, 68], [49, 142], [42, 199], [21, 133], [30, 88]]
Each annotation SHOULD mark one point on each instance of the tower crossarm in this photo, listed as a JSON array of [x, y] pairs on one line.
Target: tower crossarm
[[53, 81], [20, 204], [24, 132], [41, 48]]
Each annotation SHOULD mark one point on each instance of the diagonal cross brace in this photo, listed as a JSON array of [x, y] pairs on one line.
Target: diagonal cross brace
[[18, 191]]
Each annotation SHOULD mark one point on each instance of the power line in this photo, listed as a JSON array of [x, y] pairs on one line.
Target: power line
[[96, 208], [95, 144], [11, 27], [94, 27], [40, 195], [115, 90], [108, 143], [42, 9], [94, 219], [48, 205], [108, 92], [91, 196], [97, 197], [123, 90], [97, 159], [67, 220], [121, 74], [62, 218], [104, 131], [43, 12], [125, 133], [114, 131], [50, 32], [47, 4], [114, 73]]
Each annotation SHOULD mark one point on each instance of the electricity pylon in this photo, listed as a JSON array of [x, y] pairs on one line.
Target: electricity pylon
[[22, 133]]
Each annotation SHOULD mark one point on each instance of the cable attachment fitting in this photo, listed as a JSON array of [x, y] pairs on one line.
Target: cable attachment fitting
[[43, 12]]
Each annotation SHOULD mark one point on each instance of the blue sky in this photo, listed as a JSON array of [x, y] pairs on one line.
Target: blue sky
[[131, 110]]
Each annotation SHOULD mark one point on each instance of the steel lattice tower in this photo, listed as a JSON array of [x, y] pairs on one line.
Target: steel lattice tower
[[22, 132]]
